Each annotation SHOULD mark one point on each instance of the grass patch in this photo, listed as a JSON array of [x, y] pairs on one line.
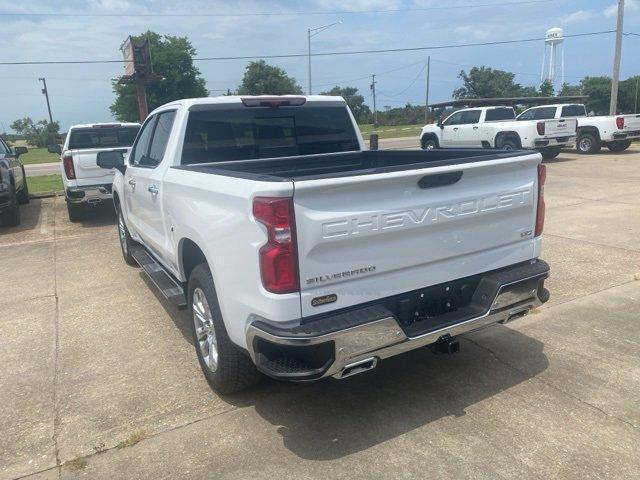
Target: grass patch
[[45, 184], [38, 155], [134, 438], [391, 131], [76, 464]]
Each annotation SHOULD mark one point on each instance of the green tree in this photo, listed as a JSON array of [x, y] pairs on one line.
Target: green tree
[[546, 89], [39, 134], [261, 78], [568, 89], [360, 111], [485, 82], [172, 59]]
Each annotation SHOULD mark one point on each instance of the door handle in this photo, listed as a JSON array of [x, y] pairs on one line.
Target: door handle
[[475, 128], [153, 189], [455, 129], [132, 182]]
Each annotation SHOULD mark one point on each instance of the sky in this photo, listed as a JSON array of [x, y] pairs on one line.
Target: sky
[[41, 30]]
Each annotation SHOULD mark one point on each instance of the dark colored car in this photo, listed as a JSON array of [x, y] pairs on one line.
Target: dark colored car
[[13, 184]]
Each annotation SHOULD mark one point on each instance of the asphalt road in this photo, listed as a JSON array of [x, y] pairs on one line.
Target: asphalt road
[[99, 378]]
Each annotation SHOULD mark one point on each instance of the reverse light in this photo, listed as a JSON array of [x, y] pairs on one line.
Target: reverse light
[[620, 123], [542, 178], [69, 170], [540, 128], [278, 257]]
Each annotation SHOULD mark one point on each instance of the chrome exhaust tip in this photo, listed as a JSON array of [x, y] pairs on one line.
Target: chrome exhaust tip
[[357, 367]]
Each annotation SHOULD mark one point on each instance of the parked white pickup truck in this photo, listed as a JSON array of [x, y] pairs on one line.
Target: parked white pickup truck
[[302, 256], [614, 131], [84, 182], [496, 127]]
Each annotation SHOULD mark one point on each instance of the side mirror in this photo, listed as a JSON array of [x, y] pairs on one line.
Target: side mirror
[[440, 124], [20, 151], [54, 148], [111, 159]]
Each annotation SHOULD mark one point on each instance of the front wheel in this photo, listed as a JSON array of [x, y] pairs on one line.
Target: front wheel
[[429, 143], [226, 368], [619, 145], [126, 241], [587, 143], [550, 153]]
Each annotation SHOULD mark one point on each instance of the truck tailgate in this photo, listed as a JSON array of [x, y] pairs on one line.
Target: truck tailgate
[[86, 167], [560, 127], [631, 123], [361, 238]]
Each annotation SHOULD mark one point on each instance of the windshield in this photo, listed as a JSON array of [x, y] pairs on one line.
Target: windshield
[[99, 137], [218, 135]]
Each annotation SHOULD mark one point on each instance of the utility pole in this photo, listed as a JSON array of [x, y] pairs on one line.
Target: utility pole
[[635, 108], [46, 94], [309, 51], [426, 102], [613, 106], [375, 110], [312, 32]]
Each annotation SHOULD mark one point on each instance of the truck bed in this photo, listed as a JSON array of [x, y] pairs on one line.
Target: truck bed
[[334, 165]]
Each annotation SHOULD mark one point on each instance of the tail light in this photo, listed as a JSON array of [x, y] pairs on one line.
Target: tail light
[[540, 128], [67, 163], [542, 178], [620, 123], [278, 257]]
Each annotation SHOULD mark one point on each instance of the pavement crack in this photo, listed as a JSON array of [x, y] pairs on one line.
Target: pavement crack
[[592, 242], [56, 336], [552, 386]]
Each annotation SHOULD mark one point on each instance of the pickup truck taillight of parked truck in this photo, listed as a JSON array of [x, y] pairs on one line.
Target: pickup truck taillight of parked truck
[[302, 256]]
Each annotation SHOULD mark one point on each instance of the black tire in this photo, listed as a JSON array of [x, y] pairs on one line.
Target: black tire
[[619, 145], [429, 143], [550, 152], [509, 144], [232, 370], [11, 216], [76, 211], [588, 143], [23, 195], [126, 242]]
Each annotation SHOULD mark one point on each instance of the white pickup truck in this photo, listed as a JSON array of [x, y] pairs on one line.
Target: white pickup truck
[[614, 131], [302, 256], [496, 127], [83, 181]]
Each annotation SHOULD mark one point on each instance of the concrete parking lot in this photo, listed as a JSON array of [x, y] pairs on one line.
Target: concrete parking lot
[[99, 378]]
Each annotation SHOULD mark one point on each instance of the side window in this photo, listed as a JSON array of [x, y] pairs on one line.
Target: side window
[[545, 113], [160, 138], [470, 116], [4, 150], [453, 119], [528, 114], [141, 147], [573, 111]]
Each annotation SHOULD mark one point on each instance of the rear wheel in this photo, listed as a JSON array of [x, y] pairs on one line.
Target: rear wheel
[[11, 216], [509, 144], [587, 143], [619, 145], [550, 152], [23, 195], [225, 366], [75, 211], [429, 143]]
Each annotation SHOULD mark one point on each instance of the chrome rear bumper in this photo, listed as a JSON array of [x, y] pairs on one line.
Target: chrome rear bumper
[[377, 334], [91, 194]]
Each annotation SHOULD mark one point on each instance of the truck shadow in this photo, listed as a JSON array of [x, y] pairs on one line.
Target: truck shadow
[[335, 418]]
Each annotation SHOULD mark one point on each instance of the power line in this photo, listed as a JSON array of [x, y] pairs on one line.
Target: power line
[[323, 54], [275, 14]]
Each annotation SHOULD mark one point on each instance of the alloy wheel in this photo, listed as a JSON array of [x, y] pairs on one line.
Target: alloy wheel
[[205, 331]]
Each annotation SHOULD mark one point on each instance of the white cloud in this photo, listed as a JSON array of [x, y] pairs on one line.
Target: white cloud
[[579, 16], [630, 6]]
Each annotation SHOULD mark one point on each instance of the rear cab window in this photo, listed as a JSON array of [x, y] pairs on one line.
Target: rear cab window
[[102, 137], [217, 133], [539, 113]]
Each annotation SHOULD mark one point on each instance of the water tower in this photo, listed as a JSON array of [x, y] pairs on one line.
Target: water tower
[[553, 44]]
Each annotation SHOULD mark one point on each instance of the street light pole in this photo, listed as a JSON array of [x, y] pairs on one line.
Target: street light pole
[[613, 106], [312, 32], [46, 94]]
